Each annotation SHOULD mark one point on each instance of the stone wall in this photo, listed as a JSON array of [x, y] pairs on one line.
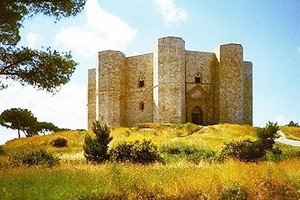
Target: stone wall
[[231, 83], [169, 80], [91, 96], [248, 93], [139, 68], [169, 92], [111, 88]]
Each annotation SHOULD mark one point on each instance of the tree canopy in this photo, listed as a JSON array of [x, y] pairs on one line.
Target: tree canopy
[[23, 120], [44, 69]]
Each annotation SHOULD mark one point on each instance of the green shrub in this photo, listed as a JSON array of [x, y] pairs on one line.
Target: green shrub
[[2, 151], [189, 152], [59, 142], [253, 150], [40, 157], [135, 151], [95, 149], [234, 193]]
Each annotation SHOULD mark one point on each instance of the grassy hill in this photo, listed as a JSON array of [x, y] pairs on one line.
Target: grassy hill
[[177, 178]]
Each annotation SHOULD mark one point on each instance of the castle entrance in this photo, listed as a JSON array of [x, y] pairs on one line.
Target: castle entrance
[[197, 116]]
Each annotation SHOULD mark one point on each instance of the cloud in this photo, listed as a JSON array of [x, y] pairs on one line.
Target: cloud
[[280, 119], [66, 109], [170, 12], [102, 31], [33, 40]]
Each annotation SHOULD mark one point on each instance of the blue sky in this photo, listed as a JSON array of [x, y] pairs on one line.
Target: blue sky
[[268, 30]]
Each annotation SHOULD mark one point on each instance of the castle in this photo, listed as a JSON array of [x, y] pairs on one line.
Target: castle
[[171, 85]]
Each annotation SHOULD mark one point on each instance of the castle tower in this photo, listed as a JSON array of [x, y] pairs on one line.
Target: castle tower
[[248, 93], [111, 88], [91, 96], [169, 80], [230, 84]]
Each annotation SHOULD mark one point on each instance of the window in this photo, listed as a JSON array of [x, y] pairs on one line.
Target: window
[[197, 78], [142, 106], [141, 82]]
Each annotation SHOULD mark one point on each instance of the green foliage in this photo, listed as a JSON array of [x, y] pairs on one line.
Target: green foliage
[[248, 150], [189, 152], [95, 149], [293, 124], [40, 157], [59, 142], [23, 120], [2, 150], [45, 69], [234, 193], [135, 151]]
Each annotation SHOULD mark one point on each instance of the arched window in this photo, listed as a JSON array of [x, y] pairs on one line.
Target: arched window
[[197, 78], [142, 105], [141, 82]]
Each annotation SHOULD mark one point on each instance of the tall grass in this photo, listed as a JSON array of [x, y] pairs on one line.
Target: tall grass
[[264, 180], [291, 132]]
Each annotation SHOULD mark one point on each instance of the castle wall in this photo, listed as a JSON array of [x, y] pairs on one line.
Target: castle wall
[[231, 85], [248, 93], [169, 80], [111, 88], [137, 68], [199, 94], [91, 96], [169, 93]]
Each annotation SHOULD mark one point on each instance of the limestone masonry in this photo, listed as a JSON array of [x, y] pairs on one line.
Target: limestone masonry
[[171, 85]]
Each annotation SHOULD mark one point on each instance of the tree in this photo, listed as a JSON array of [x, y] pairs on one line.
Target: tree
[[95, 149], [44, 69], [293, 124], [20, 119], [23, 120]]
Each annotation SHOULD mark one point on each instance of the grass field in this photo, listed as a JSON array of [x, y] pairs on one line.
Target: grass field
[[291, 132], [73, 178]]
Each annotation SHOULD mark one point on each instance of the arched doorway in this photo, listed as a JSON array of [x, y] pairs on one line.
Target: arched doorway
[[197, 115]]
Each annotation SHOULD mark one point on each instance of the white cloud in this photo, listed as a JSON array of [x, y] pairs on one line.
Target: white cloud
[[280, 119], [102, 31], [66, 109], [33, 40], [170, 12]]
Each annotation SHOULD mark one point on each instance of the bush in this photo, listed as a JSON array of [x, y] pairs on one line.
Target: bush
[[1, 150], [95, 149], [40, 157], [59, 142], [135, 151], [189, 152], [252, 151]]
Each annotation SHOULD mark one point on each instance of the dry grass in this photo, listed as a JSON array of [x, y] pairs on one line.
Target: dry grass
[[74, 179], [291, 132]]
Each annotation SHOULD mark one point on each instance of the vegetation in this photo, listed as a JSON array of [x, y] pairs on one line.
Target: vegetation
[[59, 142], [95, 149], [23, 120], [139, 150], [40, 157], [291, 132], [45, 69], [177, 177], [247, 150], [293, 124]]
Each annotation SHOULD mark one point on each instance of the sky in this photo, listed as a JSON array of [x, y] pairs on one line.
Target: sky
[[268, 30]]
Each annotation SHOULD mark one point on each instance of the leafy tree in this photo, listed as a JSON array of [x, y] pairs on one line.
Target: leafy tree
[[95, 149], [44, 69], [23, 120], [20, 119], [293, 124]]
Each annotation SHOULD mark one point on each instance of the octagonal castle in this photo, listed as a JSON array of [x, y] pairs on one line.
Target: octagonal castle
[[171, 85]]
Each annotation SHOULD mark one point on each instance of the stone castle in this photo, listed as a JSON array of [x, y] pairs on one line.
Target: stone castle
[[171, 85]]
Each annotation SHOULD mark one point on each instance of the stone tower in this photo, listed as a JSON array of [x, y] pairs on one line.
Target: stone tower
[[169, 80], [171, 85]]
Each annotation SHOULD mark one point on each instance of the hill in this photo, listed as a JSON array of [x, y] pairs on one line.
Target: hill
[[179, 177]]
